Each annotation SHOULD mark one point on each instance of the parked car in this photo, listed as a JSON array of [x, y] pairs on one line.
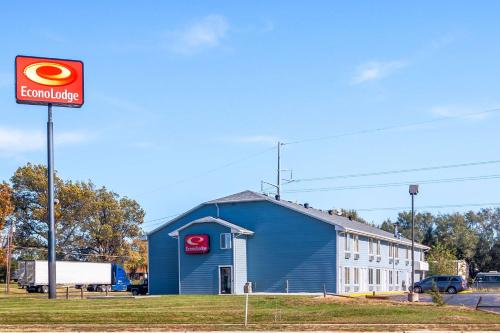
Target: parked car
[[139, 289], [444, 283], [489, 280]]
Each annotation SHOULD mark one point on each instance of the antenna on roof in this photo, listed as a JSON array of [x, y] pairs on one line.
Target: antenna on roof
[[277, 186]]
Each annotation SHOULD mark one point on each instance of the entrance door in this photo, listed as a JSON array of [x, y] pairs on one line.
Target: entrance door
[[225, 280]]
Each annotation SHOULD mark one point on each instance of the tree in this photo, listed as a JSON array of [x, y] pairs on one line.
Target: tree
[[91, 224], [441, 260], [138, 256], [455, 232], [424, 227], [114, 224]]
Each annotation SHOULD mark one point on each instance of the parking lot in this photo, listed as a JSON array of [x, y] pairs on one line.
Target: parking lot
[[482, 301]]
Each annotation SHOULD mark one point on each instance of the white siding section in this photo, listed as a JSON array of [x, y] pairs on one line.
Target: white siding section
[[240, 263]]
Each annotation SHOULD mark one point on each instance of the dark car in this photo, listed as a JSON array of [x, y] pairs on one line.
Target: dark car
[[489, 280], [139, 289], [451, 284]]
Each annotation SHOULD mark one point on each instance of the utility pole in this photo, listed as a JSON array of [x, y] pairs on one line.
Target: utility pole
[[8, 261], [277, 186], [278, 180], [412, 296]]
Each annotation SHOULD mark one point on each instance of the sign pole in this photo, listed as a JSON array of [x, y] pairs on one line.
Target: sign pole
[[51, 224]]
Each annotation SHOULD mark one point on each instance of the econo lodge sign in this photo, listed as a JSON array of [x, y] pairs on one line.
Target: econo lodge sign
[[46, 81], [196, 244]]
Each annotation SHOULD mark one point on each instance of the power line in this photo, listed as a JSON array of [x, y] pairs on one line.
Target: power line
[[392, 127], [223, 166], [369, 186], [429, 207], [380, 173], [161, 218]]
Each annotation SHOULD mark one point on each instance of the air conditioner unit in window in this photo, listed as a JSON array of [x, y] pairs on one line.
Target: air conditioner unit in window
[[371, 257], [347, 255], [407, 262], [391, 260], [397, 261], [370, 288], [356, 255], [379, 258], [356, 288], [347, 289]]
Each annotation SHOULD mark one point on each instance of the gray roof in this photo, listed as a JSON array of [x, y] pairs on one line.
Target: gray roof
[[343, 223], [209, 219]]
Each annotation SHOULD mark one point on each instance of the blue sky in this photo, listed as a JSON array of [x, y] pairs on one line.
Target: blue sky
[[176, 91]]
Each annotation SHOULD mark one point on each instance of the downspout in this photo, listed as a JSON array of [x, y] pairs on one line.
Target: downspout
[[217, 206]]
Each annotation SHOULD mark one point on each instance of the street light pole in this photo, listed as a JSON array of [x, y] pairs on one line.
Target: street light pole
[[413, 297], [50, 204]]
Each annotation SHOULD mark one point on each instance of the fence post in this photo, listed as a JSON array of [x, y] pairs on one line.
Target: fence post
[[81, 292], [324, 290], [67, 292], [246, 309]]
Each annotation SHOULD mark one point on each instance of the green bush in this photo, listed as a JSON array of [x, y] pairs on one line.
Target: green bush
[[437, 298]]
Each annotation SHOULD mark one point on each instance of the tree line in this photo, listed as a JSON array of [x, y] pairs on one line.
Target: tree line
[[470, 236], [92, 223]]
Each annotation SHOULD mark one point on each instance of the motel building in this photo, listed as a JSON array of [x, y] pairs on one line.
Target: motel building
[[275, 246]]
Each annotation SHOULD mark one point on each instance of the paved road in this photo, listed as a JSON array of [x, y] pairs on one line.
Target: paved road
[[490, 301]]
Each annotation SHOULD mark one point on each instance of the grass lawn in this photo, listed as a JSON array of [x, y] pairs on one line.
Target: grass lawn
[[227, 312]]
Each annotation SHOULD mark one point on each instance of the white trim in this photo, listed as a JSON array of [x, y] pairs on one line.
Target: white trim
[[149, 256], [209, 219], [337, 285], [232, 278], [234, 263]]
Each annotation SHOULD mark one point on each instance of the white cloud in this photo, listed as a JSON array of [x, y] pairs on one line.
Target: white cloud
[[376, 70], [13, 140], [458, 112], [268, 139], [207, 32]]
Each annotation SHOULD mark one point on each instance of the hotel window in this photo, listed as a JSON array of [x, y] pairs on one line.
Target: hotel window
[[378, 247], [390, 278], [356, 276], [347, 271], [377, 277], [391, 250], [407, 253], [370, 246], [397, 278], [396, 250], [356, 244], [225, 241], [370, 276], [347, 243]]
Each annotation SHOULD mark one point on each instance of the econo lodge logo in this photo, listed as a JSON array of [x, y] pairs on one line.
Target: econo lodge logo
[[47, 80], [196, 244]]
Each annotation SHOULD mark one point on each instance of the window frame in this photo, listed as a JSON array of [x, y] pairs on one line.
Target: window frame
[[226, 236]]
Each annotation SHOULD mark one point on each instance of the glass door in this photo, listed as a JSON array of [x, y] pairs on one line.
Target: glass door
[[225, 278]]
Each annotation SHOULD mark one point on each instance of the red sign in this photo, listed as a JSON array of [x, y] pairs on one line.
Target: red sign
[[46, 80], [196, 244]]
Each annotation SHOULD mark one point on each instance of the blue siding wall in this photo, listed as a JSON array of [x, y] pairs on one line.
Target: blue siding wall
[[163, 258], [287, 245], [200, 272]]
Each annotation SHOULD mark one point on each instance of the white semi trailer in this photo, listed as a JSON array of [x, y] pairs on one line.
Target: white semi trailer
[[90, 275]]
